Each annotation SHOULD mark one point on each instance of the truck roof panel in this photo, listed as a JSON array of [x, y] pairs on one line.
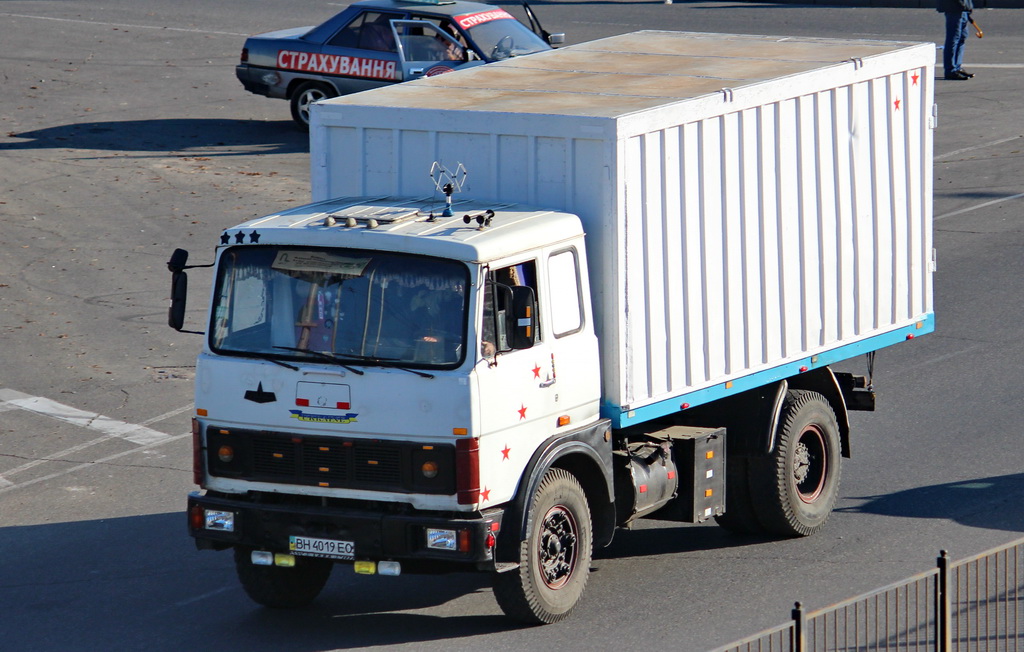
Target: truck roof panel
[[648, 69], [413, 225]]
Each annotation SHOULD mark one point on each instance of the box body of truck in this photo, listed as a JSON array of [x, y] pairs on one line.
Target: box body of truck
[[753, 205], [629, 309]]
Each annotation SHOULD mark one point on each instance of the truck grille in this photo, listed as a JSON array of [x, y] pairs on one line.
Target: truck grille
[[330, 462]]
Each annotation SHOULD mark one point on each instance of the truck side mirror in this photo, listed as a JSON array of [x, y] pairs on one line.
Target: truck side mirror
[[179, 289], [179, 292], [523, 320], [555, 40], [178, 260]]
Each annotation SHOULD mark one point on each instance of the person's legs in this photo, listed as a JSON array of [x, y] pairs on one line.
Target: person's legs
[[952, 51]]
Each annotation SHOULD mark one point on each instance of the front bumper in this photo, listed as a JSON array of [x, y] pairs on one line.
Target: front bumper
[[377, 536]]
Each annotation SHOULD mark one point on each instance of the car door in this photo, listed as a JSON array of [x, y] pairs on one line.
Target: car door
[[425, 49], [363, 53]]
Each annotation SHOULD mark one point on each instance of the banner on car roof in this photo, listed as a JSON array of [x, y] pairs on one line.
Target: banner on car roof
[[336, 64], [472, 20]]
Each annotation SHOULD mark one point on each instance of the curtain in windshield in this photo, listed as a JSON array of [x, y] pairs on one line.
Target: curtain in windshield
[[355, 305]]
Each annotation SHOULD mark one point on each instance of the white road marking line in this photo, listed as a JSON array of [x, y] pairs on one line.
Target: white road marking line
[[105, 24], [59, 455], [976, 207], [958, 152], [86, 465], [111, 427], [203, 596]]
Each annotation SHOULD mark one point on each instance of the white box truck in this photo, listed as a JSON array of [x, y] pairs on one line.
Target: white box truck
[[663, 242]]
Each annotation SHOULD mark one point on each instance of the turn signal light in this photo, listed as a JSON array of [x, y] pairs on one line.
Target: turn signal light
[[429, 469], [225, 453]]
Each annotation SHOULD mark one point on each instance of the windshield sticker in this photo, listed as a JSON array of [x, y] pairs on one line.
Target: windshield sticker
[[472, 20], [438, 70], [318, 261], [336, 64], [323, 418]]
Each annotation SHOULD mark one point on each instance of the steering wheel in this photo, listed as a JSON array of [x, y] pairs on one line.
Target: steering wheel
[[503, 48]]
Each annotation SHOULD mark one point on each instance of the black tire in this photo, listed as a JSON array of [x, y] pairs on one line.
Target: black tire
[[304, 95], [795, 488], [740, 517], [279, 587], [554, 560]]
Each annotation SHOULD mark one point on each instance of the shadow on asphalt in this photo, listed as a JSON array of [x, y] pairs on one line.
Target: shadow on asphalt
[[138, 583], [992, 503], [208, 137]]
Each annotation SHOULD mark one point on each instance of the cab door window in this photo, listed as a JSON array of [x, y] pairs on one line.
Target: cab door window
[[501, 289], [566, 298]]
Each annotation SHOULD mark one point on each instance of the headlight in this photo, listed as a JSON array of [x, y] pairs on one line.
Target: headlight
[[218, 520], [438, 539]]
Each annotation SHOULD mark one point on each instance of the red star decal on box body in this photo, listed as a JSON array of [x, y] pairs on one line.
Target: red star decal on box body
[[536, 370], [485, 494], [505, 451], [897, 104], [522, 411], [914, 78]]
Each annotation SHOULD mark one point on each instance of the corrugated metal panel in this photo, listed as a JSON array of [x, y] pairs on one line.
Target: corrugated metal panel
[[729, 232], [772, 233]]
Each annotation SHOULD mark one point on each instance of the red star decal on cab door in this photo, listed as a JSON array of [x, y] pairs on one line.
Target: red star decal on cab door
[[505, 451], [536, 370], [522, 411], [485, 494]]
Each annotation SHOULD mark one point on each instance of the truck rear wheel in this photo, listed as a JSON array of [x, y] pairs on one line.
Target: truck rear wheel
[[305, 95], [554, 560], [796, 486], [280, 587]]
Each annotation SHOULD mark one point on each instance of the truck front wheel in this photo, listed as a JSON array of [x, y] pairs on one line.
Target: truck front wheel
[[281, 587], [797, 485], [554, 560]]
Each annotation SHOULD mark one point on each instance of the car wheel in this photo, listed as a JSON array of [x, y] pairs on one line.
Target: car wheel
[[304, 96]]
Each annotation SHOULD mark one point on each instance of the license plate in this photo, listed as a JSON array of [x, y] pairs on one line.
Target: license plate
[[327, 548]]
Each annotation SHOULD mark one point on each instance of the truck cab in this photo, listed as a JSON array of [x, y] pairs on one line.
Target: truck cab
[[372, 350]]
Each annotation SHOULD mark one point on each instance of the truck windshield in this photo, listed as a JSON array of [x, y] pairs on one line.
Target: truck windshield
[[360, 307]]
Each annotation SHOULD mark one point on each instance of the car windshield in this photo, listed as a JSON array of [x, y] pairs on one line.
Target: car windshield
[[500, 36], [358, 307]]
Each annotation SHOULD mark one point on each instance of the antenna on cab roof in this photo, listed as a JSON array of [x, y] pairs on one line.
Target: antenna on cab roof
[[448, 182]]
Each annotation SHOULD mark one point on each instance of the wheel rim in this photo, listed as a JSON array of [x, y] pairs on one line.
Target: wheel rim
[[810, 464], [308, 98], [557, 547]]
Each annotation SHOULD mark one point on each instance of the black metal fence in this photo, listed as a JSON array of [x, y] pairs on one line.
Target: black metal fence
[[972, 605]]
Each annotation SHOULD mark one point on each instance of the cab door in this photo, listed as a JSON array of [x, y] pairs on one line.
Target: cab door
[[425, 50]]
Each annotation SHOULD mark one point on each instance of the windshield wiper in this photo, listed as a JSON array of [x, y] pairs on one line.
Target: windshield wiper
[[384, 362], [269, 358], [323, 356]]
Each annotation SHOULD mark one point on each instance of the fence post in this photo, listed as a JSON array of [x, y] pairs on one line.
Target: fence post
[[943, 605], [799, 628]]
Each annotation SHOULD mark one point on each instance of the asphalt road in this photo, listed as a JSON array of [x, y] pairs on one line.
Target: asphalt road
[[123, 134]]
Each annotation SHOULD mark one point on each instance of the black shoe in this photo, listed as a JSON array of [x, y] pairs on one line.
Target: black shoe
[[958, 75], [964, 72]]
